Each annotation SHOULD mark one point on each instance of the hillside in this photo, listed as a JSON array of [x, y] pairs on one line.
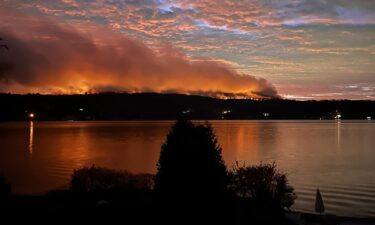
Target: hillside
[[149, 106]]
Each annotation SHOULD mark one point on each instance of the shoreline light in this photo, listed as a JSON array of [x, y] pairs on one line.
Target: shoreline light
[[31, 115]]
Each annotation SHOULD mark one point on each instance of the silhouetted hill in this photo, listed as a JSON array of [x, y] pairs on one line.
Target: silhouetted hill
[[148, 106]]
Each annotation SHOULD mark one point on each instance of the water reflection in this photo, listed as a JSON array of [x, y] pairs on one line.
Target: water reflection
[[31, 137], [338, 127], [241, 138], [74, 155], [330, 155]]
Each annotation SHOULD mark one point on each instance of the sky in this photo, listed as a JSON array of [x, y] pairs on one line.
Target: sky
[[297, 49]]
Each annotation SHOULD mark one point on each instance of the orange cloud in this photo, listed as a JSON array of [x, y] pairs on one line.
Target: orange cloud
[[48, 57]]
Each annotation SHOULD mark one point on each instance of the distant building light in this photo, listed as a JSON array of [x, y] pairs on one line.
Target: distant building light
[[337, 115], [266, 114], [225, 111], [31, 115], [369, 118], [186, 112], [81, 109]]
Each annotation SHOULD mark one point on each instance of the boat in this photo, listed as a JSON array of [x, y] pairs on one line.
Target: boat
[[319, 204]]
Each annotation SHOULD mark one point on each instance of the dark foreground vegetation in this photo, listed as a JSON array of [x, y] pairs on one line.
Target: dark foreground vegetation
[[192, 185], [144, 106]]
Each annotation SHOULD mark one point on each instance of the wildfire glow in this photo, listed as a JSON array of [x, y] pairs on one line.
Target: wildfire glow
[[71, 61]]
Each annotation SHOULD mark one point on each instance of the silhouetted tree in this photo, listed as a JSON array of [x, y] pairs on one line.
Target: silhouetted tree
[[190, 163], [263, 184]]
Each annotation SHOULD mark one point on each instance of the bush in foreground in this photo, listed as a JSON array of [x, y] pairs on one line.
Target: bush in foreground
[[263, 185], [93, 179], [4, 189]]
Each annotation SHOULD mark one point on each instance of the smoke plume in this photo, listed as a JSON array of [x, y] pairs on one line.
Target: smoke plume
[[50, 57]]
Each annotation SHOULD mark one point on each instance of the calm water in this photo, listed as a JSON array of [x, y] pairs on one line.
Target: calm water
[[337, 157]]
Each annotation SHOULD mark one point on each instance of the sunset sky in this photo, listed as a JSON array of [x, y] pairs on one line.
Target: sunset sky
[[304, 49]]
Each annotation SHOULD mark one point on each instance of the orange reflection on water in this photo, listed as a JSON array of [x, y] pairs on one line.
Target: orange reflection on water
[[76, 154], [31, 137], [338, 129], [239, 141]]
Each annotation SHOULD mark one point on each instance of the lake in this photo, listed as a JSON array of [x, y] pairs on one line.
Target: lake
[[338, 157]]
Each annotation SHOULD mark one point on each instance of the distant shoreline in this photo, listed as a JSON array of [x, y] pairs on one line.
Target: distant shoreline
[[152, 106], [202, 120]]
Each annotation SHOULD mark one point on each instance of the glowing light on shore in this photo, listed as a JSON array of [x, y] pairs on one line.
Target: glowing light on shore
[[31, 115], [226, 111]]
